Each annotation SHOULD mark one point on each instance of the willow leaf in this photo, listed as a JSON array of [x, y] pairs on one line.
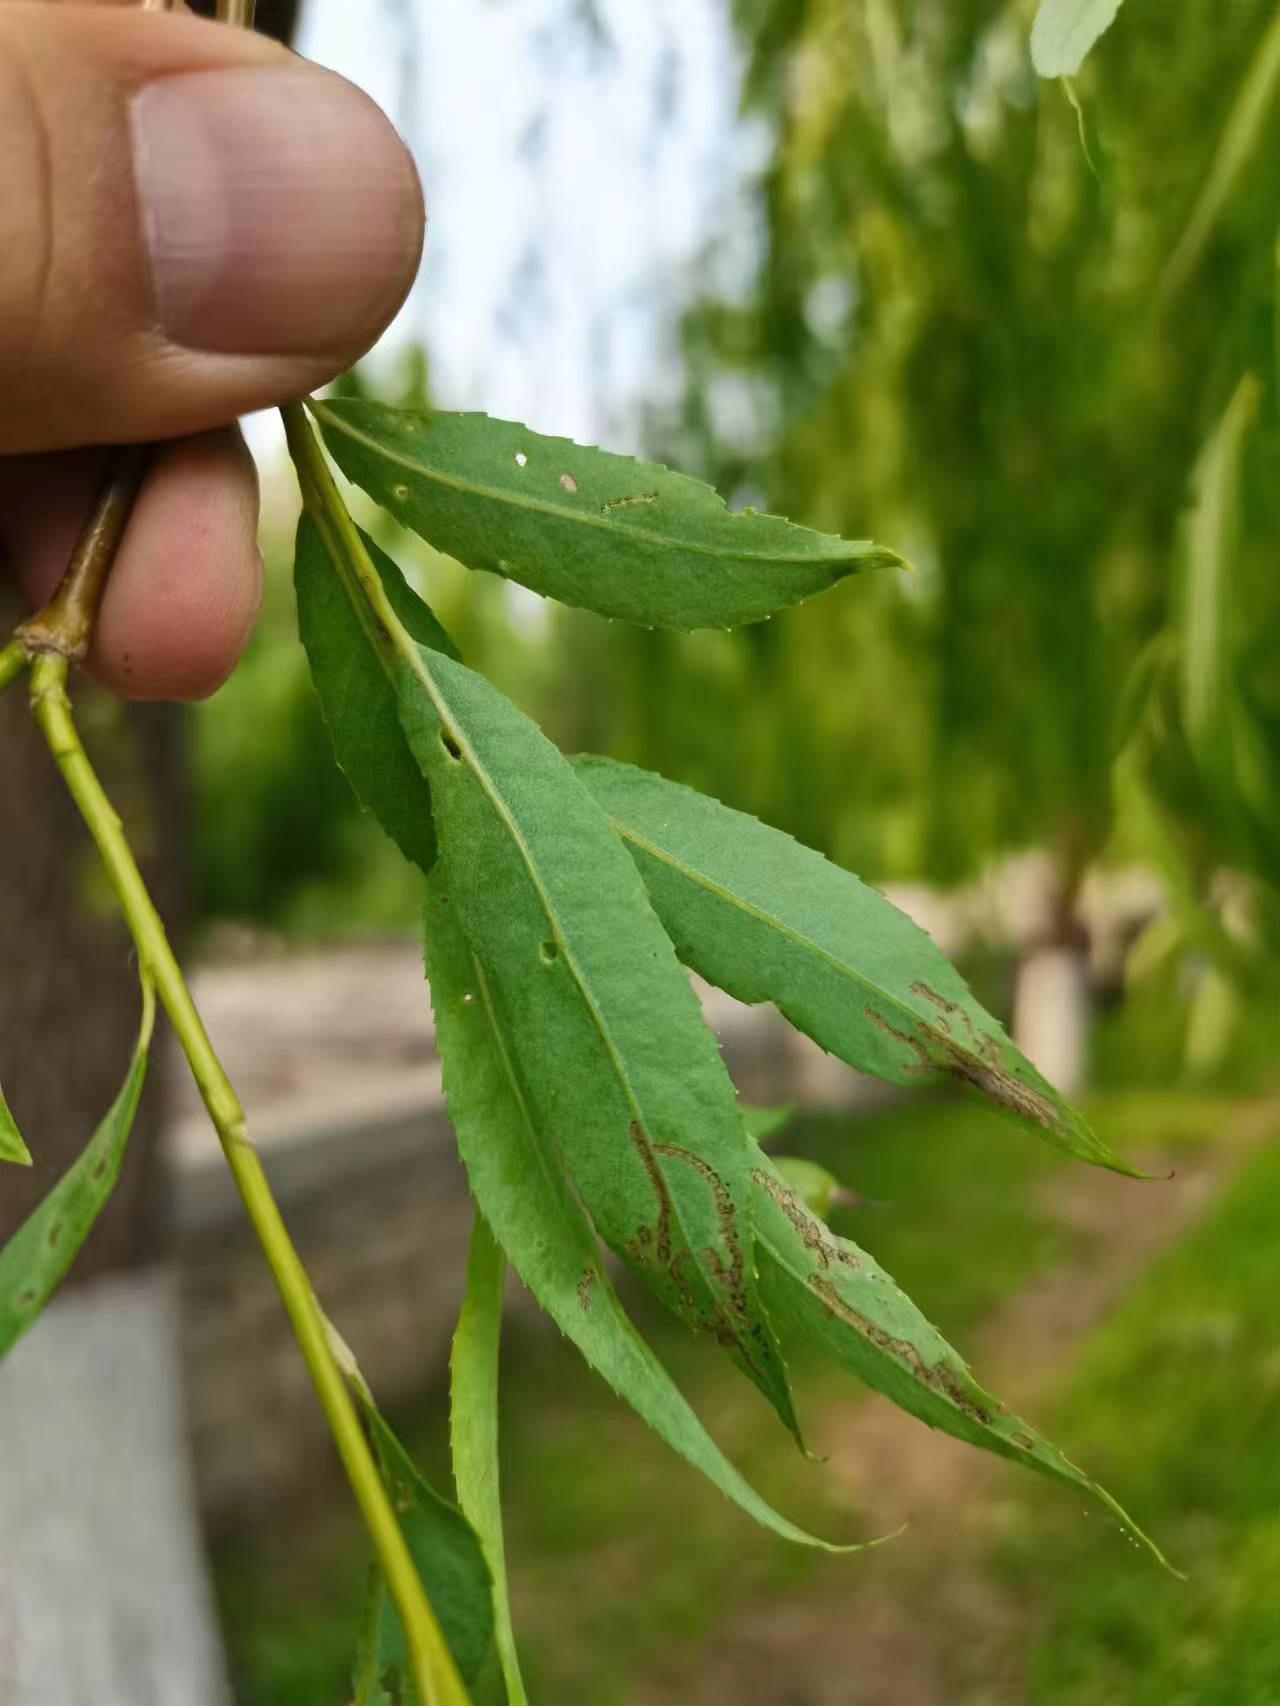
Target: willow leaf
[[625, 538], [835, 1299], [1245, 127], [12, 1148], [352, 665], [1065, 30], [35, 1260], [473, 1431], [766, 919], [449, 1558], [608, 1036], [517, 1177], [1207, 589]]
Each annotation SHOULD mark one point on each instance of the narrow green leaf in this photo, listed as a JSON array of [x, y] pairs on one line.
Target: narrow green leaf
[[1065, 30], [12, 1148], [1209, 557], [473, 1431], [753, 911], [608, 1037], [450, 1561], [35, 1260], [352, 665], [835, 1298], [625, 538], [516, 1176], [1240, 137], [764, 1123]]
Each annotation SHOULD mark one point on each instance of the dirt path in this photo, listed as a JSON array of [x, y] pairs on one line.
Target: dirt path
[[886, 1645]]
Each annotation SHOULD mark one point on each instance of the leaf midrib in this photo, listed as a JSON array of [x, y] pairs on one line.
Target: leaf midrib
[[539, 1143], [513, 829], [853, 548]]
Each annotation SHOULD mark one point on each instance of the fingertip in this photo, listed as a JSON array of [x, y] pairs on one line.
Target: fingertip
[[187, 584]]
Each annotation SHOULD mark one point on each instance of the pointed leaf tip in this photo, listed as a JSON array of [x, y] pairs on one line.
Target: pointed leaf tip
[[12, 1147], [829, 1294], [767, 919]]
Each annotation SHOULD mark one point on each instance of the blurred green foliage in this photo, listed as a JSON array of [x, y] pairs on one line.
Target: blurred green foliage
[[961, 335]]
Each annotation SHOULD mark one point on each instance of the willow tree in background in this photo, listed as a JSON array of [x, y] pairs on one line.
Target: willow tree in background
[[1004, 334]]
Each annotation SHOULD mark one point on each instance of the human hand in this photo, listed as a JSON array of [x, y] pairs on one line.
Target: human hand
[[194, 223]]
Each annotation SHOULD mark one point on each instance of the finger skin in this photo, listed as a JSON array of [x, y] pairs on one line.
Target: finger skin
[[187, 582], [84, 357]]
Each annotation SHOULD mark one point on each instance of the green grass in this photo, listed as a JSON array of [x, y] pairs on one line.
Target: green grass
[[1177, 1400], [619, 1552]]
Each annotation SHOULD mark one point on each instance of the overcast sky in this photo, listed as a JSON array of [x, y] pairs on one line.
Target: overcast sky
[[564, 209]]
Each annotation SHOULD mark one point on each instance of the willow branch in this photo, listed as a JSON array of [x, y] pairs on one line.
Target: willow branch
[[65, 626]]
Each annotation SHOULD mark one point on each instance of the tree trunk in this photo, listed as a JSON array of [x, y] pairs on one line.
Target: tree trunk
[[1053, 993], [69, 989]]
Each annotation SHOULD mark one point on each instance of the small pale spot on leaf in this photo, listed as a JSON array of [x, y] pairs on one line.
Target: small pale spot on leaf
[[568, 482]]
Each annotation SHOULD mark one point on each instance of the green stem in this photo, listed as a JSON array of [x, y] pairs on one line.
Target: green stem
[[434, 1672], [13, 663], [65, 625]]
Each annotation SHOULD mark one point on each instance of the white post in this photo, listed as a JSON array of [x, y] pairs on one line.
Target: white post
[[104, 1594]]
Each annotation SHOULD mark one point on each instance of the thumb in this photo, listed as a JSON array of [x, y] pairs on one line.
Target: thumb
[[195, 224]]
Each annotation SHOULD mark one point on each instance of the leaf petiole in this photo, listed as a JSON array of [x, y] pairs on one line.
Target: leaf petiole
[[13, 664]]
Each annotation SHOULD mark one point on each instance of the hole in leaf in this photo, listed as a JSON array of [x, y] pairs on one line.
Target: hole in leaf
[[568, 482], [468, 999], [522, 461], [450, 745], [550, 952]]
